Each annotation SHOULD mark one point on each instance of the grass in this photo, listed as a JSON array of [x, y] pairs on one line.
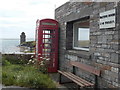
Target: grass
[[25, 76], [0, 74], [7, 59], [84, 43]]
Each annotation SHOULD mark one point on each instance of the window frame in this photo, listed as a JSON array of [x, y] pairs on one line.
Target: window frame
[[80, 48]]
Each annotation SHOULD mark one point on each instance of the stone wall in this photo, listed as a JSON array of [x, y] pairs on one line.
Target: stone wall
[[104, 50], [25, 57]]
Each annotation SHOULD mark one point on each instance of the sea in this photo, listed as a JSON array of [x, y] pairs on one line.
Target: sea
[[11, 45]]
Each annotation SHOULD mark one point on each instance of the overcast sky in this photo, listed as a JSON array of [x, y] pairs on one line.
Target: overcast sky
[[18, 16]]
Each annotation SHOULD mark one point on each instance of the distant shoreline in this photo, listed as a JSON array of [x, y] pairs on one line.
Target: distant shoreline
[[15, 39], [10, 45]]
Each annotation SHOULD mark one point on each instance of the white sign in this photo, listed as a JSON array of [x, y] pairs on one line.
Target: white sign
[[107, 19]]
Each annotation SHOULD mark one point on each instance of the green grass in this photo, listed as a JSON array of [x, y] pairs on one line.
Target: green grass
[[0, 74], [25, 76], [84, 43], [7, 59]]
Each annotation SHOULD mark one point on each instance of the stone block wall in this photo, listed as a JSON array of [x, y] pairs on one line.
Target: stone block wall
[[25, 57], [104, 50]]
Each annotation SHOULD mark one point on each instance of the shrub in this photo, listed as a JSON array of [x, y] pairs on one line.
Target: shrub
[[26, 76], [43, 64], [0, 74], [14, 60], [8, 79], [15, 72], [5, 62]]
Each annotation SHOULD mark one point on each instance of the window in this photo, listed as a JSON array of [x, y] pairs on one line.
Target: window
[[81, 33]]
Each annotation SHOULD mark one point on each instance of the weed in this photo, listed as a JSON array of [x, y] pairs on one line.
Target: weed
[[5, 62], [14, 59], [26, 76]]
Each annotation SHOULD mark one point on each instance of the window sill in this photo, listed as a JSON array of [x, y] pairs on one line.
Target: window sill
[[81, 49], [79, 53]]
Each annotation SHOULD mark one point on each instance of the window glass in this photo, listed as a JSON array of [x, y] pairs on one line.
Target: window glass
[[81, 33]]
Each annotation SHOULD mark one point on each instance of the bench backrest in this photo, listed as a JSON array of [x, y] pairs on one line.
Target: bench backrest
[[85, 67]]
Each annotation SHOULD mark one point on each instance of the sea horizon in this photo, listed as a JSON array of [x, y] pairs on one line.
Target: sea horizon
[[10, 45], [16, 38]]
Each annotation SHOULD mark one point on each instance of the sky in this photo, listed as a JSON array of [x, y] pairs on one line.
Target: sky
[[83, 34], [17, 16]]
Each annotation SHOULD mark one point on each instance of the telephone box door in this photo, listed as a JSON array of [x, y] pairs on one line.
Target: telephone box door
[[48, 43]]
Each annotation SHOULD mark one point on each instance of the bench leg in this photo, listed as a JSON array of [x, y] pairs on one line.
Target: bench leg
[[96, 83], [78, 87], [60, 78]]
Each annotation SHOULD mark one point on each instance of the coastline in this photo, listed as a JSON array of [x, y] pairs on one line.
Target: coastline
[[11, 45]]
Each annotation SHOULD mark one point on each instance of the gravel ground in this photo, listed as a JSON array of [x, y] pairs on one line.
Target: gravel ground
[[13, 88]]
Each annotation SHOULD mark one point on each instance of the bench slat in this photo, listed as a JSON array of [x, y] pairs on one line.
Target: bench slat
[[76, 79], [79, 80], [85, 67], [84, 81], [71, 78]]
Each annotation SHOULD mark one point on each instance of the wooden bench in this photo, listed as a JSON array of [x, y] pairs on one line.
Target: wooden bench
[[82, 83]]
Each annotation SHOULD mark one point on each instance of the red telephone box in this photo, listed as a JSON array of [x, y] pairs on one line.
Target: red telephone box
[[47, 42]]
